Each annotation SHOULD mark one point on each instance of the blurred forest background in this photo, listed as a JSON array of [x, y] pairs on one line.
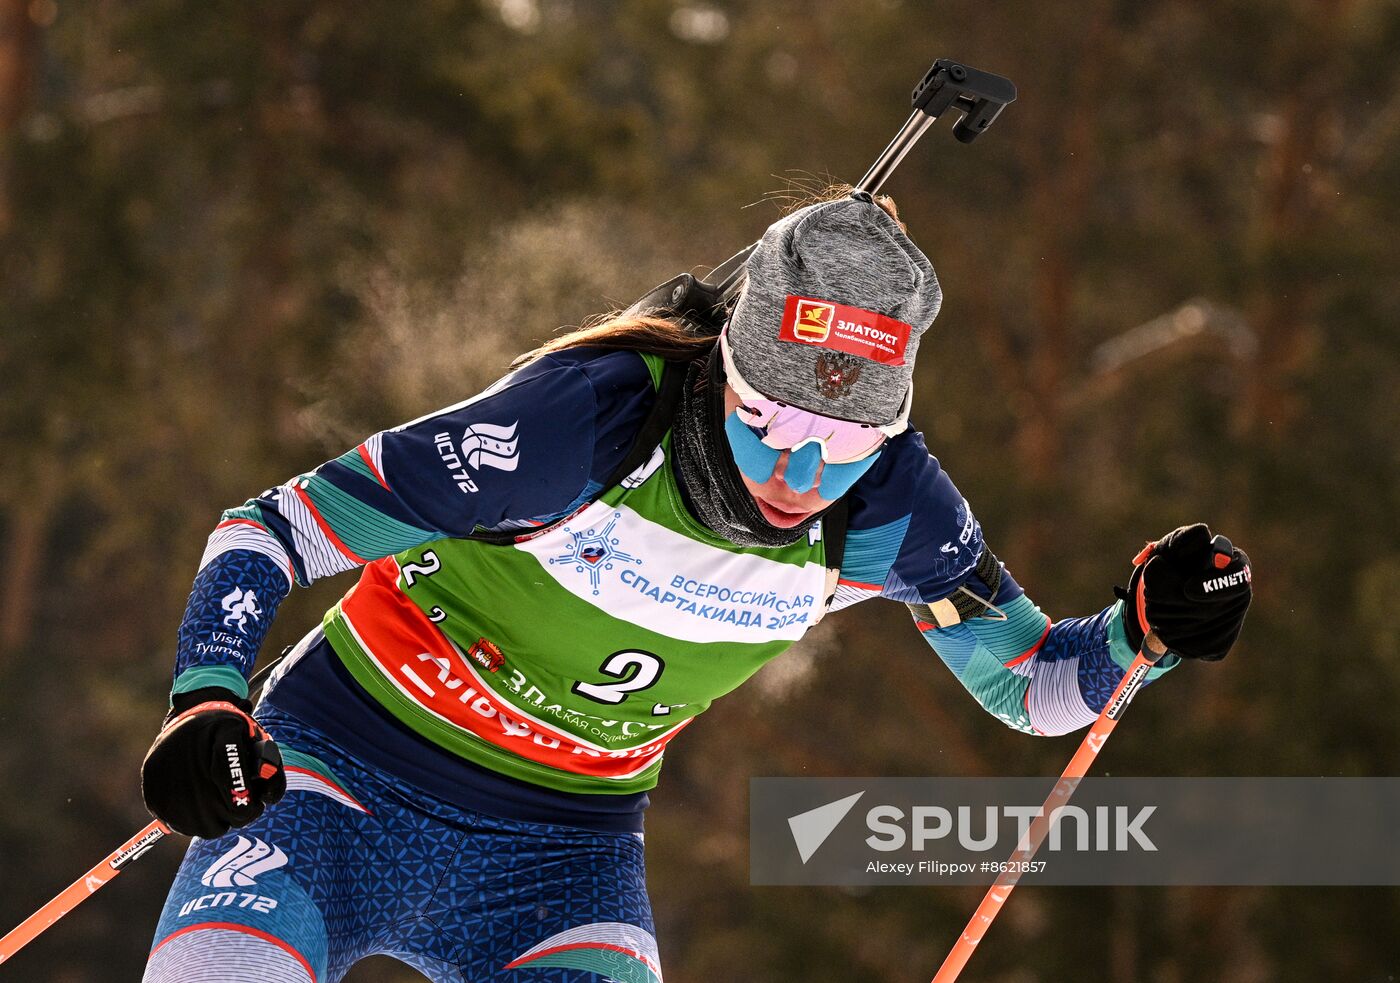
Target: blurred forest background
[[237, 238]]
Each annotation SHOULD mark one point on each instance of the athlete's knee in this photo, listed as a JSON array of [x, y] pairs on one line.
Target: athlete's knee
[[224, 952], [587, 953]]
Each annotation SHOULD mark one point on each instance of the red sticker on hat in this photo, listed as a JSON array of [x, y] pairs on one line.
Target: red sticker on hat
[[809, 321]]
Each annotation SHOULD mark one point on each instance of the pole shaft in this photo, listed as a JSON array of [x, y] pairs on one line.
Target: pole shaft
[[78, 892], [1035, 834]]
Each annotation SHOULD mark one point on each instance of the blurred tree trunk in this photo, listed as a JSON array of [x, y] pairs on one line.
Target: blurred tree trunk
[[273, 302], [18, 54], [29, 509], [1283, 300], [27, 505], [1124, 951], [1065, 169]]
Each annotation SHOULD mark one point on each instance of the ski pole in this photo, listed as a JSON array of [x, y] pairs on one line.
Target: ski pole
[[77, 892], [992, 901]]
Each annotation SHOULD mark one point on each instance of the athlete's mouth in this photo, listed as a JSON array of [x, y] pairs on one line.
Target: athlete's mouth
[[780, 517]]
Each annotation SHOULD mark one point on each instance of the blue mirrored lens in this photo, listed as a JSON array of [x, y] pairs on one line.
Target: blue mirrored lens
[[755, 458], [837, 479], [802, 467], [757, 461]]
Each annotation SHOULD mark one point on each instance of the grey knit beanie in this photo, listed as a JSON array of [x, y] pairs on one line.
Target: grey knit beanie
[[830, 319]]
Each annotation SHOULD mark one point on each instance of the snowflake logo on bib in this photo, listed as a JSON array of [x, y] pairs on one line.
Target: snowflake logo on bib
[[593, 551]]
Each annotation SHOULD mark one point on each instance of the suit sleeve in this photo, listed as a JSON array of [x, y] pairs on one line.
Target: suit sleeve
[[913, 538], [532, 447]]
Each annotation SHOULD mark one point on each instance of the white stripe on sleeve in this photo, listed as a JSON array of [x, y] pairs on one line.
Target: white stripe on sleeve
[[374, 447], [246, 536], [1054, 700], [320, 556]]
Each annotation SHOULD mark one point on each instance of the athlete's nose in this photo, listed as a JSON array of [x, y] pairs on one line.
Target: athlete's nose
[[779, 479]]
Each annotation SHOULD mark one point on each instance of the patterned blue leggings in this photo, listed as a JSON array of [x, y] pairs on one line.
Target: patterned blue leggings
[[353, 863]]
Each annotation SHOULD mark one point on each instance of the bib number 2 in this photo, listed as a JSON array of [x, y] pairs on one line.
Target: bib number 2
[[634, 670]]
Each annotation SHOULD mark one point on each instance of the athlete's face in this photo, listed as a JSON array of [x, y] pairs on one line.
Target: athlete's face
[[779, 504]]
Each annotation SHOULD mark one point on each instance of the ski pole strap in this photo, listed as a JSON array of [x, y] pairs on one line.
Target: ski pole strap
[[78, 892]]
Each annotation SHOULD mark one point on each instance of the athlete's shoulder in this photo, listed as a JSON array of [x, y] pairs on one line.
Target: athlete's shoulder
[[609, 371], [577, 389], [912, 535], [535, 442], [906, 478], [623, 388]]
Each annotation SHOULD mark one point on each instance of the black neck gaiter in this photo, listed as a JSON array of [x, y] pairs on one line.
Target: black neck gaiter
[[705, 468]]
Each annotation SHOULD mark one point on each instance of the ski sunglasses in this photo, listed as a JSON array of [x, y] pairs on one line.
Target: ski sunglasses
[[761, 429]]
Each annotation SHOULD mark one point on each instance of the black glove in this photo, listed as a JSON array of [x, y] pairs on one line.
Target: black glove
[[212, 766], [1192, 590]]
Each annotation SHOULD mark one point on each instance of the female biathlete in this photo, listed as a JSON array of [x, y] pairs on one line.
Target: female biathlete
[[558, 576]]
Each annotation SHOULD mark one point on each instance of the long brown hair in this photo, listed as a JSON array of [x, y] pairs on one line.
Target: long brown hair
[[671, 338], [663, 336]]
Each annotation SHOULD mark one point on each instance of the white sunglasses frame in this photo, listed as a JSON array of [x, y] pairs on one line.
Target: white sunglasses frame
[[746, 391]]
